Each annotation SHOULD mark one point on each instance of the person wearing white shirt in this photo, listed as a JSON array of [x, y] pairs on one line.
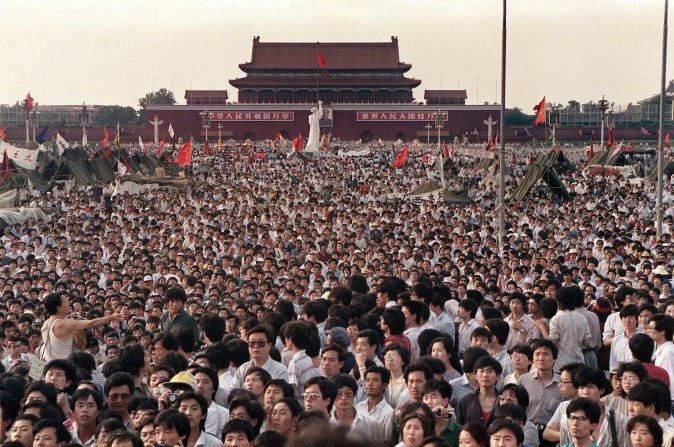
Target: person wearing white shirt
[[660, 328], [375, 406], [620, 351], [207, 384], [359, 425], [259, 346], [440, 320], [613, 325], [467, 311]]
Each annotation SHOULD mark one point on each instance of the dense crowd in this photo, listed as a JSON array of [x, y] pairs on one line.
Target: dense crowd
[[302, 301]]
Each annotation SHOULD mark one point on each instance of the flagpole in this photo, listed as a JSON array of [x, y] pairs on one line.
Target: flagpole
[[501, 158], [661, 124], [318, 69]]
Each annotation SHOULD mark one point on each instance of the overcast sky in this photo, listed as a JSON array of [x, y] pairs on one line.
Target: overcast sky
[[114, 52]]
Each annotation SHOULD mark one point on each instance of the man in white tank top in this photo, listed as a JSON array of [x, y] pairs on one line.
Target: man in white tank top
[[58, 330]]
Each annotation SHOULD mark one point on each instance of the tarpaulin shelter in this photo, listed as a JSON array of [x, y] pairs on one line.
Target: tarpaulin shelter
[[434, 191], [542, 168]]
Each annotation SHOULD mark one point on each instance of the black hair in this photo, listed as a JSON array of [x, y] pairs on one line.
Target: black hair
[[172, 418], [394, 319], [418, 366], [218, 355], [213, 326], [645, 393], [488, 362], [264, 374], [442, 387], [663, 323], [48, 390], [635, 367], [477, 431], [175, 293], [544, 343], [470, 356], [83, 394], [123, 436], [327, 387], [548, 307], [62, 433], [119, 379], [285, 387], [269, 438], [489, 312], [131, 359], [524, 349], [587, 375], [110, 424], [589, 407], [68, 368], [372, 336], [10, 405], [416, 308], [384, 374], [177, 362], [292, 404], [298, 332], [52, 302], [629, 311], [401, 350], [187, 339], [83, 359], [426, 423], [511, 411], [642, 347], [652, 424], [499, 329], [253, 408], [345, 380], [500, 424], [239, 426], [521, 394], [201, 401]]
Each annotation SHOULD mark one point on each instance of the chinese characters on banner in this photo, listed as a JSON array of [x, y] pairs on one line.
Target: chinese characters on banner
[[397, 116], [253, 116]]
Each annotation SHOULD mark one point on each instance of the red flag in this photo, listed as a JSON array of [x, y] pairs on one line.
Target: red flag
[[184, 156], [491, 145], [321, 60], [207, 149], [540, 113], [6, 171], [447, 151], [611, 138], [105, 142], [326, 141], [29, 102], [667, 141], [400, 160], [160, 148], [297, 143], [3, 135]]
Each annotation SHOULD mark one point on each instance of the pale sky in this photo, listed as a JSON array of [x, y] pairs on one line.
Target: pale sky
[[114, 52]]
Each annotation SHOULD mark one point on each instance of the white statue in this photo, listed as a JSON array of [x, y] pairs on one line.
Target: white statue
[[314, 140]]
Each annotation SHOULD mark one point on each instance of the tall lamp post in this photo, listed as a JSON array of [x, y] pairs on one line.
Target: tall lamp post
[[205, 121], [428, 128], [554, 122], [219, 134], [439, 122], [502, 154], [84, 120], [603, 107], [661, 127]]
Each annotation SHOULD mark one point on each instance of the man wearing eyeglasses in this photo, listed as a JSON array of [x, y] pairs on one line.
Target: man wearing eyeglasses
[[583, 416], [17, 344], [319, 394], [259, 345]]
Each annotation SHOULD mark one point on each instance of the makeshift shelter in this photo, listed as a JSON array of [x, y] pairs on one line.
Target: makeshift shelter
[[101, 169], [11, 216], [434, 191], [542, 168]]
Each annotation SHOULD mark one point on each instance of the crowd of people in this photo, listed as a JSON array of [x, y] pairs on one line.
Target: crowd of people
[[305, 301]]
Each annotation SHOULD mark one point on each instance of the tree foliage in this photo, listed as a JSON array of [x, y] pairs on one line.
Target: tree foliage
[[515, 116], [160, 97], [111, 115]]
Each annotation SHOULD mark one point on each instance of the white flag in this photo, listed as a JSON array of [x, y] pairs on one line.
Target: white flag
[[170, 130], [140, 142], [121, 168], [24, 158], [61, 143], [41, 148], [84, 139]]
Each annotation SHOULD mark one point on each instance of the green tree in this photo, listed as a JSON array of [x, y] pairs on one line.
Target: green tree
[[515, 116], [160, 97], [574, 106], [111, 115]]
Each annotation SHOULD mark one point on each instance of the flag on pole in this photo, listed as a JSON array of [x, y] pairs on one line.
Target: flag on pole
[[611, 138], [400, 160], [297, 143], [3, 135], [282, 142], [24, 158], [448, 151], [29, 102], [170, 130], [42, 136], [321, 59], [105, 142], [118, 137], [207, 149], [160, 148], [184, 156], [326, 141], [61, 143], [142, 145], [6, 171], [590, 152], [540, 113]]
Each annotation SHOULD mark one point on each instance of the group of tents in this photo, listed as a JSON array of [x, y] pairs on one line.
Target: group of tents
[[78, 165]]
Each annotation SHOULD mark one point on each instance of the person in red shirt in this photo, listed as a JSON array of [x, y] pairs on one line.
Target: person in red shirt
[[642, 347]]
